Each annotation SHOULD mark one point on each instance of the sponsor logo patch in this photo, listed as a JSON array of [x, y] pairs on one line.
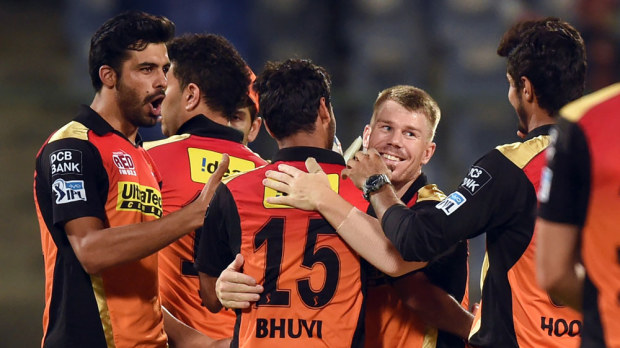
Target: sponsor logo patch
[[203, 163], [66, 161], [451, 203], [475, 180], [545, 185], [69, 191], [124, 163], [136, 197], [334, 183]]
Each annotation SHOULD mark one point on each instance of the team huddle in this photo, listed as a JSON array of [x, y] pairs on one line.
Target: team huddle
[[196, 241]]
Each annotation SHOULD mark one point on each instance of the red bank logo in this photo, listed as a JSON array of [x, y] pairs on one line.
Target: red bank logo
[[124, 163]]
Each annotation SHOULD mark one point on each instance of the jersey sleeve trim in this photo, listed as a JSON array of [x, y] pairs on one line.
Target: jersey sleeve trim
[[522, 153], [575, 110], [430, 193], [72, 129]]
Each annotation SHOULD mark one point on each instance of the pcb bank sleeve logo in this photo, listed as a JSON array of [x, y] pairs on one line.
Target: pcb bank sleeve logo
[[334, 184], [69, 191], [203, 164]]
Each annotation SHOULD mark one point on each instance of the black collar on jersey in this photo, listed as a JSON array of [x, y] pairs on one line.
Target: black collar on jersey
[[93, 121], [301, 153], [414, 188], [408, 196], [542, 130], [201, 125]]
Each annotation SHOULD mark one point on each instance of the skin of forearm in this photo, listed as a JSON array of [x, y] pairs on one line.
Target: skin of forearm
[[101, 248], [568, 289], [363, 233], [434, 306]]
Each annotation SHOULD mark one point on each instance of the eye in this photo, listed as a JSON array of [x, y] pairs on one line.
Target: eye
[[146, 69], [166, 69], [386, 128]]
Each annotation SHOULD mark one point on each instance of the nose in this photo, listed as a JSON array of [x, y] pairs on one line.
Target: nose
[[161, 81], [396, 139]]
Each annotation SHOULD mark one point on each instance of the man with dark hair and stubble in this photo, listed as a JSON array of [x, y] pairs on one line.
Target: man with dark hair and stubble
[[97, 195], [313, 281], [208, 81]]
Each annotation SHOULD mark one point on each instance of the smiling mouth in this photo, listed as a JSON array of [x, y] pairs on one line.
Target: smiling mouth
[[391, 157]]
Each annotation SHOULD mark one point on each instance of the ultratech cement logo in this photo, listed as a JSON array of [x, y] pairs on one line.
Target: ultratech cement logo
[[133, 196]]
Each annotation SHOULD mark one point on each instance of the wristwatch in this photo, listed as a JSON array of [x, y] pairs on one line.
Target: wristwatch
[[374, 183]]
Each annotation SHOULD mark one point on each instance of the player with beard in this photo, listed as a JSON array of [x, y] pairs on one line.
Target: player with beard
[[313, 281], [97, 194]]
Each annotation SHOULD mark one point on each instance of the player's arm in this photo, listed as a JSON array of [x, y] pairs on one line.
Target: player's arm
[[559, 271], [207, 292], [311, 191], [181, 335], [98, 247], [433, 305], [563, 195]]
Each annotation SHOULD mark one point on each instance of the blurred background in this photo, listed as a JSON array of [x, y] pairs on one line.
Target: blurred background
[[446, 47]]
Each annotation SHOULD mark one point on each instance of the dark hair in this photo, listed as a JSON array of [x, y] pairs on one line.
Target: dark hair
[[289, 95], [551, 54], [249, 103], [211, 62], [131, 30]]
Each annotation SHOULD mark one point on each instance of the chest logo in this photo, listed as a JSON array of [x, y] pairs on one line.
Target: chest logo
[[135, 197], [124, 163]]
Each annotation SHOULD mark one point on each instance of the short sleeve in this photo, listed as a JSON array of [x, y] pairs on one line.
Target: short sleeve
[[565, 182], [214, 252], [72, 173]]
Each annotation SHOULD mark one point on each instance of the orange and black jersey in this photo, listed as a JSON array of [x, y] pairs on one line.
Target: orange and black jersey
[[186, 161], [497, 197], [389, 323], [89, 169], [313, 281], [581, 187]]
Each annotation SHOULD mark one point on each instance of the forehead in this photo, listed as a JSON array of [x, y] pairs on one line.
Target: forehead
[[153, 53], [390, 112]]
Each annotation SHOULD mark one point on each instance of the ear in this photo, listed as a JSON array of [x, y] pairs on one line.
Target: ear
[[366, 136], [428, 153], [108, 76], [324, 115], [254, 129], [527, 92], [191, 96]]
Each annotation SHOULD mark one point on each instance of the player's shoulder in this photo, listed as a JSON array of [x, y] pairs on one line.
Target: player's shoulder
[[521, 153], [430, 192], [72, 130], [577, 109], [170, 140]]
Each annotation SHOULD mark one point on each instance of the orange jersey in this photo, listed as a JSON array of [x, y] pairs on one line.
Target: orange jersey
[[583, 182], [88, 169], [186, 161], [313, 281], [389, 322]]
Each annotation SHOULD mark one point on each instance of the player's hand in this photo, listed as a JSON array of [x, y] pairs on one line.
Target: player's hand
[[302, 190], [363, 165], [216, 178], [235, 289]]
